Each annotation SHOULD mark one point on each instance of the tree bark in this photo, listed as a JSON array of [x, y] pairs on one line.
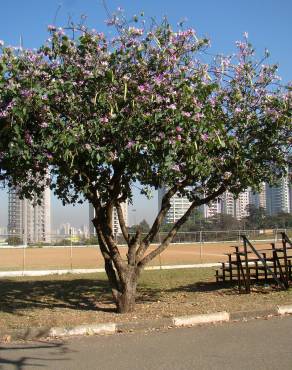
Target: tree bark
[[127, 298]]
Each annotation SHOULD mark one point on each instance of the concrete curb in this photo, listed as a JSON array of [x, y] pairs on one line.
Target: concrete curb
[[112, 328], [107, 328], [201, 319], [92, 271], [285, 309]]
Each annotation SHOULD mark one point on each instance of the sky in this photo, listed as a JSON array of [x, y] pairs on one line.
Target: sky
[[268, 23]]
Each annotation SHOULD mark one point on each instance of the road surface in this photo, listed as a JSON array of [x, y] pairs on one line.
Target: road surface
[[257, 344]]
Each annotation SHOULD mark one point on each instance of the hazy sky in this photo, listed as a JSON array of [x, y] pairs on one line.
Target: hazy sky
[[268, 23]]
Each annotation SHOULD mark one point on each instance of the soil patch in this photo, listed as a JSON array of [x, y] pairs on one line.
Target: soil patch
[[47, 258]]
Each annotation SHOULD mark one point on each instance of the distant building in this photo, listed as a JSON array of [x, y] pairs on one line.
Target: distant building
[[116, 224], [278, 197], [241, 205], [65, 229], [179, 206], [228, 203], [213, 208], [31, 223], [259, 199], [3, 231]]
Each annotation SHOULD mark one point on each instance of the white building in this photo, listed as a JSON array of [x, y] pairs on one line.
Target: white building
[[241, 205], [116, 224], [31, 223], [179, 206], [213, 208], [3, 231]]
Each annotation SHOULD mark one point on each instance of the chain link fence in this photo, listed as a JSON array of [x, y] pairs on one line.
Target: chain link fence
[[67, 252]]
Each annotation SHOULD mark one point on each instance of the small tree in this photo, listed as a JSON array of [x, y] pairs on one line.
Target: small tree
[[143, 226], [99, 114], [257, 217]]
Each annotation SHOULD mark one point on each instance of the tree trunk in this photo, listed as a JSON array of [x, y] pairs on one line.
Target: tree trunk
[[127, 297]]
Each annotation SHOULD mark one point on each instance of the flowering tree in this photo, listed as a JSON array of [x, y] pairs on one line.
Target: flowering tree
[[100, 114]]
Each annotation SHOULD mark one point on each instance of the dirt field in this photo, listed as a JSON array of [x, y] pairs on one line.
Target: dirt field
[[90, 257]]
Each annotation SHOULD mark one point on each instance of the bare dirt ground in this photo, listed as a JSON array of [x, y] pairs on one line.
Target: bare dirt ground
[[89, 257]]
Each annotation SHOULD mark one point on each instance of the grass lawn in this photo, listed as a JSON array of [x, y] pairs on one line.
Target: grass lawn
[[70, 300]]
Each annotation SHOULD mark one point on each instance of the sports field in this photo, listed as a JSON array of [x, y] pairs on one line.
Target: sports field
[[47, 258]]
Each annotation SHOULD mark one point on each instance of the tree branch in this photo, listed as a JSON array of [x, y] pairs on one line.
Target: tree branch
[[103, 225], [167, 240], [165, 205], [122, 222]]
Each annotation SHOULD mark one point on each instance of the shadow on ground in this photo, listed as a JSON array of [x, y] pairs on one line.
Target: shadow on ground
[[52, 352], [93, 294], [74, 294], [228, 288], [79, 294]]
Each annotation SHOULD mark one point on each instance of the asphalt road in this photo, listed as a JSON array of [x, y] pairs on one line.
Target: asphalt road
[[257, 344]]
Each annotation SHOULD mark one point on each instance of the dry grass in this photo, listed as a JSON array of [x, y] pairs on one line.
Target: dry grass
[[69, 300]]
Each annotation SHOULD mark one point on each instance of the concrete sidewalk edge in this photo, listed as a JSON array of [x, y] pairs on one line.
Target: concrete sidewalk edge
[[111, 328]]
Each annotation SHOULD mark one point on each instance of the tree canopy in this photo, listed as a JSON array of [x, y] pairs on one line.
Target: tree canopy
[[93, 114]]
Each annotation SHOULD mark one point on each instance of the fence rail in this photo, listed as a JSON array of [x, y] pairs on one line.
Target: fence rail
[[68, 252], [68, 240]]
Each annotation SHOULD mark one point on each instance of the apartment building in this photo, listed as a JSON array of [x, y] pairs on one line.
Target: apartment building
[[28, 221]]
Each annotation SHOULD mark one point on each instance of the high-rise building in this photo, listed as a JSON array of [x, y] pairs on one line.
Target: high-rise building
[[213, 208], [228, 203], [179, 206], [241, 205], [259, 199], [31, 223], [116, 224], [278, 197]]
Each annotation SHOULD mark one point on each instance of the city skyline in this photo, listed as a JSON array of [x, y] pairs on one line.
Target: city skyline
[[274, 199]]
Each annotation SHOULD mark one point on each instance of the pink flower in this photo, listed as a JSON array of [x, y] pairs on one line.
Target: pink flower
[[136, 31], [44, 124], [26, 93], [60, 31], [111, 21], [186, 114], [198, 116], [172, 107], [175, 167], [51, 27], [212, 101], [158, 79], [178, 137], [103, 119], [49, 155], [130, 144], [205, 137], [143, 88], [178, 129], [27, 138], [3, 114]]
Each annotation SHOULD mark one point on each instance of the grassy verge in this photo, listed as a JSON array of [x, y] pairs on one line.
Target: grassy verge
[[73, 300]]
